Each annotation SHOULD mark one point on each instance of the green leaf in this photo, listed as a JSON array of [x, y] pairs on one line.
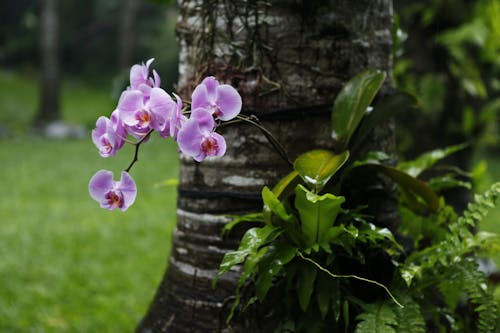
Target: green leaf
[[250, 243], [327, 289], [408, 183], [382, 112], [317, 213], [272, 205], [415, 167], [409, 317], [306, 275], [276, 257], [351, 104], [316, 167], [409, 271], [286, 185], [378, 318], [248, 218]]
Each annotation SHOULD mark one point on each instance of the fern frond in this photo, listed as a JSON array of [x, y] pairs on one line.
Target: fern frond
[[477, 210], [409, 318], [476, 287], [378, 318]]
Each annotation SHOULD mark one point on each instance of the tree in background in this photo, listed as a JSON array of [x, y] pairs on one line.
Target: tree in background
[[49, 47], [288, 60]]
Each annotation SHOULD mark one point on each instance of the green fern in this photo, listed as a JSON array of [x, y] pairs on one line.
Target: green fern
[[378, 318], [409, 318], [477, 210], [475, 285]]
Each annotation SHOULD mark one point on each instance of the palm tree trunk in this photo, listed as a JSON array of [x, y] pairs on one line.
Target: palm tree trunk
[[288, 60]]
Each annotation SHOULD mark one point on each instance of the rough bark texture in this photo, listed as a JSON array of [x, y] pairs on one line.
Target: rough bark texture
[[49, 99], [288, 60]]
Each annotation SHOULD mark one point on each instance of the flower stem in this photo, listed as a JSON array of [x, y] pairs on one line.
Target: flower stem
[[136, 153], [254, 121]]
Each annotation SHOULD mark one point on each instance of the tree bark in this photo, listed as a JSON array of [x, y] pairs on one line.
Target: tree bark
[[49, 40], [288, 60]]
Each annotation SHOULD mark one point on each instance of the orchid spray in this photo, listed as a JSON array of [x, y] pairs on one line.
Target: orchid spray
[[144, 108]]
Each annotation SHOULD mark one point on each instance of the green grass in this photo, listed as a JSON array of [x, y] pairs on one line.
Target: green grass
[[67, 265]]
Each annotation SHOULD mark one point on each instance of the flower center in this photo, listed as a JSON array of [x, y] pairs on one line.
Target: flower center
[[106, 146], [216, 109], [210, 146], [114, 199], [143, 118]]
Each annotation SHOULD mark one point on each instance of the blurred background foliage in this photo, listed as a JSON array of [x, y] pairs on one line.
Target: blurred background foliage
[[68, 266], [448, 54], [89, 36]]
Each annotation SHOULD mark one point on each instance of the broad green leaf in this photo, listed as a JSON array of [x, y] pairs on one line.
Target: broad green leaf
[[306, 275], [351, 103], [286, 185], [250, 243], [276, 257], [272, 205], [408, 183], [382, 112], [316, 167], [372, 157], [446, 182], [415, 167], [248, 218], [317, 213]]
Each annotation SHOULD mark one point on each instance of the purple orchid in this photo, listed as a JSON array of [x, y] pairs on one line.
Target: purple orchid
[[140, 114], [175, 119], [221, 99], [197, 138], [109, 135], [140, 79], [111, 194]]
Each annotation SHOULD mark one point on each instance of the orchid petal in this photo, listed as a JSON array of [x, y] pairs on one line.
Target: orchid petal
[[127, 187], [100, 184], [211, 84], [162, 106], [138, 75], [204, 119], [199, 98], [130, 101], [228, 101], [221, 142], [189, 138]]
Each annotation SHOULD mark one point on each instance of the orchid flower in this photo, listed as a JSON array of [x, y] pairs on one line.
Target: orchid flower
[[140, 115], [197, 138], [222, 100], [111, 194], [109, 135], [140, 79]]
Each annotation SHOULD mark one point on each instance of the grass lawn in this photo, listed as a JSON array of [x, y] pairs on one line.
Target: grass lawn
[[67, 265]]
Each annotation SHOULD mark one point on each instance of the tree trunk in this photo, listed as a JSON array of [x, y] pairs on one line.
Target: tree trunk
[[49, 39], [288, 60]]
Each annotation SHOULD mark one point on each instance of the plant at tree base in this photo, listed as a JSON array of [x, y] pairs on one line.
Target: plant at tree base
[[333, 268]]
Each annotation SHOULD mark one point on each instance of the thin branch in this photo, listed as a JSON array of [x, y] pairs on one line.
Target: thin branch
[[269, 136], [136, 153]]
